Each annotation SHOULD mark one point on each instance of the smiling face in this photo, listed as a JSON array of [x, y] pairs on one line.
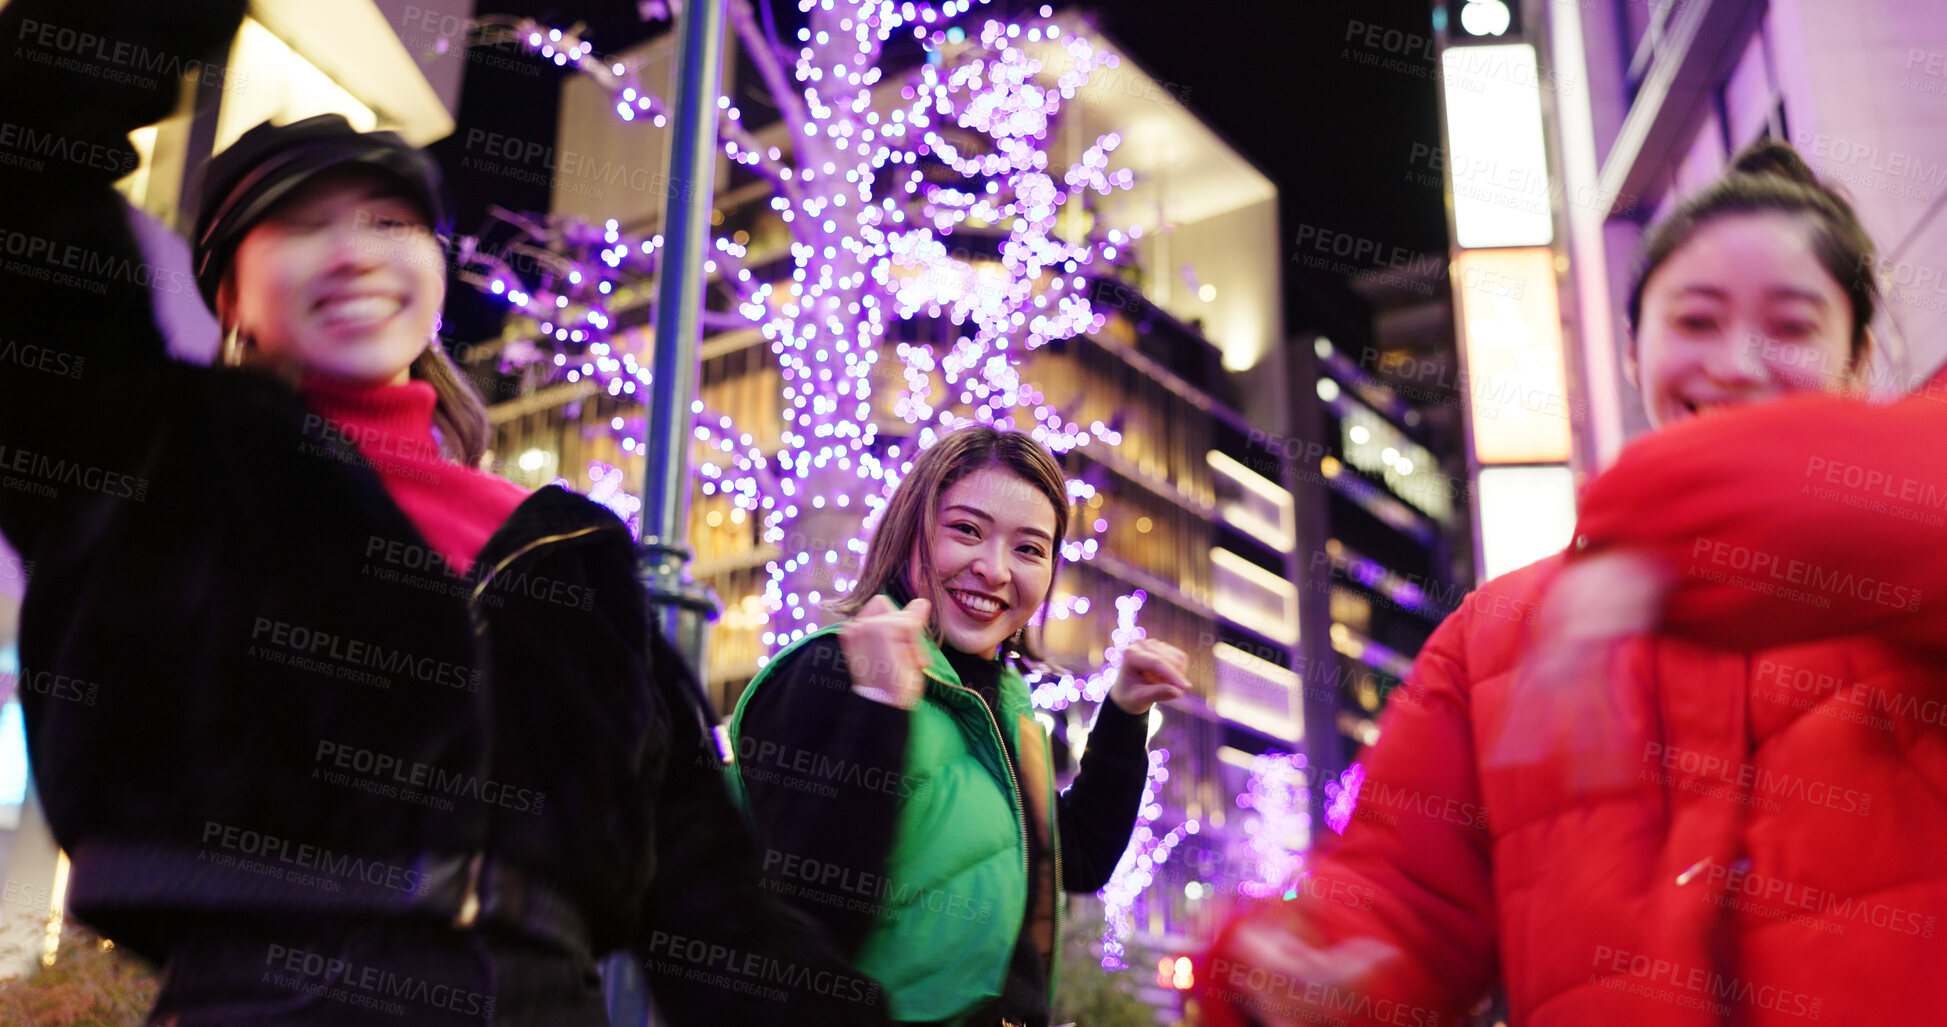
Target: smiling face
[[1741, 287], [343, 278], [993, 558]]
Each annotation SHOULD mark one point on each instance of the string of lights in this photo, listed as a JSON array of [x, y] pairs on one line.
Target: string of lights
[[892, 183], [1280, 832]]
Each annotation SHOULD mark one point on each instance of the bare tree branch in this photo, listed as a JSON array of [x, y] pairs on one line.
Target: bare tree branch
[[770, 67]]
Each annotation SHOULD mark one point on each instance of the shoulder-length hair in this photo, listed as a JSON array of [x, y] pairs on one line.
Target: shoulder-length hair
[[913, 514]]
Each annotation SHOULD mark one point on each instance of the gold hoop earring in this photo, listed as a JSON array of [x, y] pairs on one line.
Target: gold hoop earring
[[231, 354]]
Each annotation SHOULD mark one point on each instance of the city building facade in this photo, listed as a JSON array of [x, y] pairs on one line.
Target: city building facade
[[1385, 490]]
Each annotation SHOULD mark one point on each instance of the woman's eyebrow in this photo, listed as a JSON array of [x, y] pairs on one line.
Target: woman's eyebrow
[[1708, 291], [989, 518], [1792, 292]]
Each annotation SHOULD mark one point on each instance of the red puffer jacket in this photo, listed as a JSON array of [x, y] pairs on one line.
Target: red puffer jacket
[[1778, 856]]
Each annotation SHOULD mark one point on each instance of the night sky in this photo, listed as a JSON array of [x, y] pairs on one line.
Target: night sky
[[1343, 118], [1282, 82]]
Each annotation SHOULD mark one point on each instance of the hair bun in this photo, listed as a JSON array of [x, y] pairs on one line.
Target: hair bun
[[1777, 158]]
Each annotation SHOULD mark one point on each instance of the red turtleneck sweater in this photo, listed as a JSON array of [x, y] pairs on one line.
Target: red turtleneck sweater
[[456, 508]]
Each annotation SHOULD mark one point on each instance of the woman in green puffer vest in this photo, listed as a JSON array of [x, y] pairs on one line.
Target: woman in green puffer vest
[[899, 783]]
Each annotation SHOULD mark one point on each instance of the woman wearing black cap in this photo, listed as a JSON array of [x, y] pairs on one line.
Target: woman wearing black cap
[[332, 725]]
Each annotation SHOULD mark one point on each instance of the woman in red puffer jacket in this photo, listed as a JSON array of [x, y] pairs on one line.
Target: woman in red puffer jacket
[[1694, 770]]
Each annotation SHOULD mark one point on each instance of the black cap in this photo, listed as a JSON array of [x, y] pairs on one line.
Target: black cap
[[240, 185]]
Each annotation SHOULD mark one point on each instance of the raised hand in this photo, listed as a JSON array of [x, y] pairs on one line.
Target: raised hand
[[882, 650], [1152, 672], [1568, 701]]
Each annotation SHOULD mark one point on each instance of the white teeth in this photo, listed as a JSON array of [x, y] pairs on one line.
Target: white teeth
[[360, 308], [978, 604]]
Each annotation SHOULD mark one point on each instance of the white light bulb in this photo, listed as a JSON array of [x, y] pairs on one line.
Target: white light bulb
[[1485, 17]]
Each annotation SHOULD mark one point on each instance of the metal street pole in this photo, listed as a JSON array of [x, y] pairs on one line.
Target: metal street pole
[[684, 606], [681, 608]]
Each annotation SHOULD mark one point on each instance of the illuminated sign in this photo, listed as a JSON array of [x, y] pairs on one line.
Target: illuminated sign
[[1511, 330], [1495, 153], [1527, 513]]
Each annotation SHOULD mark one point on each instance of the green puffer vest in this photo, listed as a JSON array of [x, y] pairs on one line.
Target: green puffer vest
[[956, 879]]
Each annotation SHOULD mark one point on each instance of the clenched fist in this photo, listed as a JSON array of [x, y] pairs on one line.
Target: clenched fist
[[1152, 672], [882, 650]]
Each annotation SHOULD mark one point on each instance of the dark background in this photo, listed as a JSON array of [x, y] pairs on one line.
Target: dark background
[[1336, 135]]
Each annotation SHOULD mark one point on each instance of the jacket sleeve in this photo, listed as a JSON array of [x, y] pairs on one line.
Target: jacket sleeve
[[80, 350], [824, 768], [1395, 924], [1098, 811], [718, 947], [1811, 517]]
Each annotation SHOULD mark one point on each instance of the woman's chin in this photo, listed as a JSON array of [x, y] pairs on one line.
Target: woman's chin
[[367, 368], [971, 643], [981, 642], [365, 354]]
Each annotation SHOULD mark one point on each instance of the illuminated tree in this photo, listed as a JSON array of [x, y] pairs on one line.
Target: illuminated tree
[[917, 193]]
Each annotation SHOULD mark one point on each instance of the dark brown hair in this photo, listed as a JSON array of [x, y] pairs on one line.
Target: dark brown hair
[[465, 431], [913, 513], [1770, 177]]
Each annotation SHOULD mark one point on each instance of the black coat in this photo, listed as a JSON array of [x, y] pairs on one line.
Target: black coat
[[245, 690]]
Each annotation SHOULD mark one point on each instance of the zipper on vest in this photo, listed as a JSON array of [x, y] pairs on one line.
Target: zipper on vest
[[1059, 898], [1021, 817], [1020, 801]]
